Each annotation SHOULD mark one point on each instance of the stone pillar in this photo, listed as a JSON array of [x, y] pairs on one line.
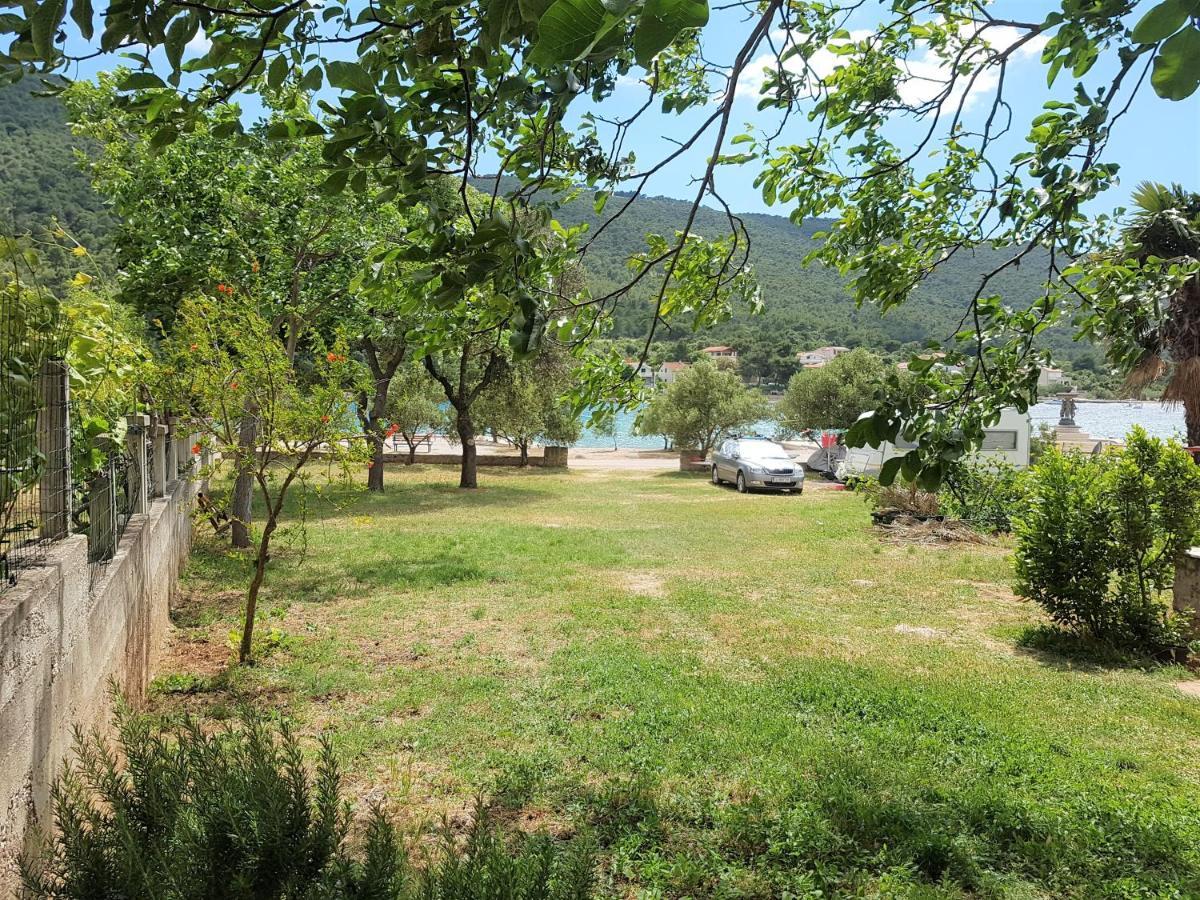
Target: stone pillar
[[159, 481], [54, 443], [692, 461], [172, 449], [554, 457], [1186, 598], [139, 477], [102, 510]]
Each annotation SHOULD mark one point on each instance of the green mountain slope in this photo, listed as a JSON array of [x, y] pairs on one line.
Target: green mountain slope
[[808, 305], [805, 306], [40, 179]]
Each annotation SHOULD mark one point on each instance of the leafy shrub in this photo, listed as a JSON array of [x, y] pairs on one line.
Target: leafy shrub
[[236, 814], [1098, 541], [1042, 439], [986, 496]]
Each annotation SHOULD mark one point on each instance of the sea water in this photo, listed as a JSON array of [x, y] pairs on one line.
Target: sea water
[[1110, 421]]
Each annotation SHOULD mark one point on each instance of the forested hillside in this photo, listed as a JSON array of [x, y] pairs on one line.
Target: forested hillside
[[805, 306], [40, 179]]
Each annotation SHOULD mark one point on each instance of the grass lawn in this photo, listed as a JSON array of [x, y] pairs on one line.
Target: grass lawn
[[735, 696]]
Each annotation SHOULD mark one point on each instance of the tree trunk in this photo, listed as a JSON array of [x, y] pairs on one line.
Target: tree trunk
[[1191, 416], [243, 485], [412, 452], [469, 476], [245, 648], [375, 472], [524, 445]]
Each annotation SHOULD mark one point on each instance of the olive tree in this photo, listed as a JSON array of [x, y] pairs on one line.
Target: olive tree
[[414, 408], [704, 403], [836, 394], [529, 404]]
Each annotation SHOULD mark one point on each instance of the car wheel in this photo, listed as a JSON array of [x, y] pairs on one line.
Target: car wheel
[[798, 491], [716, 479], [741, 482]]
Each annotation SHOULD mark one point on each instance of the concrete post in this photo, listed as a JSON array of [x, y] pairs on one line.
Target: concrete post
[[172, 450], [102, 526], [160, 461], [139, 477], [1186, 593], [554, 457], [54, 443]]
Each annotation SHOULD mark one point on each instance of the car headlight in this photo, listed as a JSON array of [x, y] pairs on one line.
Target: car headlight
[[757, 470]]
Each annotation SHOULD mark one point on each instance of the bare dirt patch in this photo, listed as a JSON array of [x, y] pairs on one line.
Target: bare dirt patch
[[645, 584], [1189, 688], [921, 631]]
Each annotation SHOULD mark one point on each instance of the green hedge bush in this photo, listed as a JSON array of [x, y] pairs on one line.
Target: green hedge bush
[[1098, 541]]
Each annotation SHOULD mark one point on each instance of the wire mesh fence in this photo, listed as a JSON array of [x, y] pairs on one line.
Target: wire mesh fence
[[48, 487], [33, 399]]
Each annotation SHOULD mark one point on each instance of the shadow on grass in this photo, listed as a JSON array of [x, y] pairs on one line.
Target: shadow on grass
[[1064, 650]]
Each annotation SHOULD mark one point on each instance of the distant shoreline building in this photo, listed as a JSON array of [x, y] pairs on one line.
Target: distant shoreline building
[[814, 359], [720, 351], [669, 371]]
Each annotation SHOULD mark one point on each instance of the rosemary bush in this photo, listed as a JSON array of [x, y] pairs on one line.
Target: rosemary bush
[[179, 813]]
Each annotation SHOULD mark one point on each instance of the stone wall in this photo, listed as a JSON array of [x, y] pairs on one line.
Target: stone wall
[[61, 645]]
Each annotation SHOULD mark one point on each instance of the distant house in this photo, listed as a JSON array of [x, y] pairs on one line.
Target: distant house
[[645, 371], [814, 359], [669, 371], [1050, 377], [720, 352], [937, 356]]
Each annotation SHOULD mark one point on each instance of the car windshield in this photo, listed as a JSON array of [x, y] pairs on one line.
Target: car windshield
[[763, 450]]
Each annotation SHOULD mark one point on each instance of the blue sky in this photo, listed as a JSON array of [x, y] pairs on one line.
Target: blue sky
[[1156, 139]]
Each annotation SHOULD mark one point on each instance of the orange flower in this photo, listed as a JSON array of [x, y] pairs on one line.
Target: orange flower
[[194, 347], [233, 385], [335, 357], [195, 449], [224, 289], [324, 418], [254, 266]]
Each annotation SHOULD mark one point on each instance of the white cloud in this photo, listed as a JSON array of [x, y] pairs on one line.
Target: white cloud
[[199, 45], [927, 71]]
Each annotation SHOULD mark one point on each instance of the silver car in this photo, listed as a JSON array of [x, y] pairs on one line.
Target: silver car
[[756, 464]]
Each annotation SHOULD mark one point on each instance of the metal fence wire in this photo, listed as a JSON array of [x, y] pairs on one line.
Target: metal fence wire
[[31, 373], [108, 510]]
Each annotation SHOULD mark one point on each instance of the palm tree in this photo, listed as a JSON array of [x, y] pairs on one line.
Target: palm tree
[[1154, 332]]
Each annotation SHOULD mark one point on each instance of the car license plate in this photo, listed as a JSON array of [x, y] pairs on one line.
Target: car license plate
[[780, 480]]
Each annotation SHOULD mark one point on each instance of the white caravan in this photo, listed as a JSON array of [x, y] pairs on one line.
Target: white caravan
[[1006, 441]]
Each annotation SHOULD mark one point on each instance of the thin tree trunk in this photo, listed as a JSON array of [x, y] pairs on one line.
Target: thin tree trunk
[[524, 445], [243, 486], [469, 476], [382, 373], [245, 648], [412, 452]]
